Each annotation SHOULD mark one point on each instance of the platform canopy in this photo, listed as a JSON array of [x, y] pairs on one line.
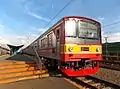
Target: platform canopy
[[14, 48]]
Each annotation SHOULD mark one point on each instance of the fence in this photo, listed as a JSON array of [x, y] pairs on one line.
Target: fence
[[111, 55], [3, 51]]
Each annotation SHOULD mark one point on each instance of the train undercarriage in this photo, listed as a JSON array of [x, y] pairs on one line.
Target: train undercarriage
[[75, 68]]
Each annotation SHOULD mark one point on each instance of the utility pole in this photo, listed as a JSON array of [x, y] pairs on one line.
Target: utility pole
[[106, 41]]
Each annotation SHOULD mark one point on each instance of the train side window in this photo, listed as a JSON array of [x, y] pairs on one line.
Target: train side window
[[45, 42], [35, 44], [39, 43], [50, 40], [58, 34], [42, 43]]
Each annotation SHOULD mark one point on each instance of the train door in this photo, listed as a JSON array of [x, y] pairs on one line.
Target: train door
[[58, 42]]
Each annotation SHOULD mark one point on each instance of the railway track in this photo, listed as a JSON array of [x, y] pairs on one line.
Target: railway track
[[114, 65], [88, 82], [91, 82]]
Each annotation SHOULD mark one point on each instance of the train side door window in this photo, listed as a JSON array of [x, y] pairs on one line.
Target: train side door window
[[58, 41], [42, 44]]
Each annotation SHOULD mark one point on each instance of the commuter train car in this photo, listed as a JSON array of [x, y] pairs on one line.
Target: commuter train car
[[73, 45]]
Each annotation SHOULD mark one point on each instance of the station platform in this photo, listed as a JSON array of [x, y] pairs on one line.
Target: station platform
[[4, 57], [48, 82], [45, 83]]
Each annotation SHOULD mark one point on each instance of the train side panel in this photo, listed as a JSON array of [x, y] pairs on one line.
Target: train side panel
[[51, 47]]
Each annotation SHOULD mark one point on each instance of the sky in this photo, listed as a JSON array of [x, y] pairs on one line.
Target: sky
[[22, 21]]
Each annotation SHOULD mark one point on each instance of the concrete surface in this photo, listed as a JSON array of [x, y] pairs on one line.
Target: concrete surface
[[46, 83], [3, 57]]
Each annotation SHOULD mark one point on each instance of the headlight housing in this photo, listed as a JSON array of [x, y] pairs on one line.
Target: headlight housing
[[70, 49], [98, 50]]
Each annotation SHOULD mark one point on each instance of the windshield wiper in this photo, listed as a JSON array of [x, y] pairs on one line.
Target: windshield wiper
[[87, 38], [71, 36]]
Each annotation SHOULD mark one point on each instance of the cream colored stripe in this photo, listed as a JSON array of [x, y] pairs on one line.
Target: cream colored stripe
[[79, 45], [81, 53]]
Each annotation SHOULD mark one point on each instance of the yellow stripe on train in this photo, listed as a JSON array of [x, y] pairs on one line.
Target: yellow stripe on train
[[74, 48]]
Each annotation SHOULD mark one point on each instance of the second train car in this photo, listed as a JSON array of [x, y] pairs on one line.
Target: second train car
[[73, 45]]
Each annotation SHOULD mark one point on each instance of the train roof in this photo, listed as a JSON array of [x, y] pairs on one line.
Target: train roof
[[65, 17], [82, 17]]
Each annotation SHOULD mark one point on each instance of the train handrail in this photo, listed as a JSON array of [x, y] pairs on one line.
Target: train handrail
[[39, 62]]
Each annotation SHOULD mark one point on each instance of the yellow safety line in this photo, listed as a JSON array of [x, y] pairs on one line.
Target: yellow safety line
[[73, 83]]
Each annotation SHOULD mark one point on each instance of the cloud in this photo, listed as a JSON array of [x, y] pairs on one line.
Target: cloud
[[38, 17], [4, 42], [52, 6], [8, 36], [2, 26], [41, 30], [110, 28], [112, 37], [100, 18], [16, 39], [32, 11]]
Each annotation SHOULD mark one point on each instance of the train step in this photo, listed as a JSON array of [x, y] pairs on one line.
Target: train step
[[15, 71]]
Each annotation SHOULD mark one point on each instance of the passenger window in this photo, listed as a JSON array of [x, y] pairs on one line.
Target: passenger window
[[39, 43], [58, 34], [50, 40]]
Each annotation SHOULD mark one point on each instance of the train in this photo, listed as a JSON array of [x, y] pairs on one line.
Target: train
[[73, 45]]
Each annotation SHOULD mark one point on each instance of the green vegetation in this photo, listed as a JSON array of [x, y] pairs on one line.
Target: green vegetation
[[114, 47]]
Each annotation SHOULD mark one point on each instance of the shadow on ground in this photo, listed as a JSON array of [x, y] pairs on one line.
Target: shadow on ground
[[19, 57], [53, 72]]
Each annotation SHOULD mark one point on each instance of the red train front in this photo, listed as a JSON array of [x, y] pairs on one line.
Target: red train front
[[82, 46], [73, 45]]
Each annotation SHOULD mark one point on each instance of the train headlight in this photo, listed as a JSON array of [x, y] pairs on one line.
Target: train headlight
[[98, 50], [70, 49]]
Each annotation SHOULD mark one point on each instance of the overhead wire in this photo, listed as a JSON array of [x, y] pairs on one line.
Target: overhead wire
[[59, 12], [68, 3], [117, 22], [111, 24]]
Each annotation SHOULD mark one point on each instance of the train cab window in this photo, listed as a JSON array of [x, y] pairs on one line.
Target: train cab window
[[88, 30], [70, 28]]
